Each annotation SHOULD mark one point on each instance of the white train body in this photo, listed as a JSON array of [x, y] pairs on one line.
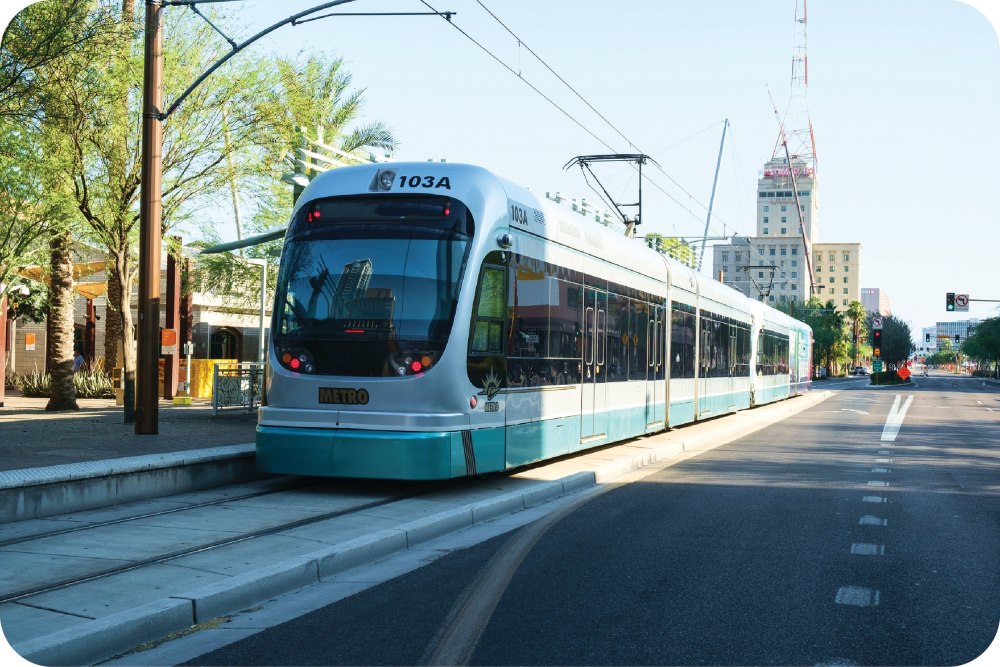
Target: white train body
[[433, 320]]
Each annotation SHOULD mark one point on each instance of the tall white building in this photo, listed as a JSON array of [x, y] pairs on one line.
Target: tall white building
[[772, 266]]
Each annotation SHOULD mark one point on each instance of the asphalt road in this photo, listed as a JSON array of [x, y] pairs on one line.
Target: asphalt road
[[863, 531]]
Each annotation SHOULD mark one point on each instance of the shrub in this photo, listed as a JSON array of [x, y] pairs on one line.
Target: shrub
[[87, 383], [35, 384], [93, 384]]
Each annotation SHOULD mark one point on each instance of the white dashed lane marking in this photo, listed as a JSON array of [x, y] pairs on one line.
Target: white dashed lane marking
[[856, 596], [869, 520], [865, 549]]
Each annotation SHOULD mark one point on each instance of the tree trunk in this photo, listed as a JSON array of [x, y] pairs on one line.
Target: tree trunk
[[62, 393], [120, 281], [113, 321]]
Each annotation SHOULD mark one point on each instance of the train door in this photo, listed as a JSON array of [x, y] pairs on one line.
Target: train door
[[705, 367], [656, 371], [593, 411]]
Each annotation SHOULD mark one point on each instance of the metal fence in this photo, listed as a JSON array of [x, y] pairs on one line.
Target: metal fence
[[237, 386]]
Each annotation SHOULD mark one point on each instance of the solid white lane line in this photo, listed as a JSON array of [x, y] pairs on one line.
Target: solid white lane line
[[895, 419]]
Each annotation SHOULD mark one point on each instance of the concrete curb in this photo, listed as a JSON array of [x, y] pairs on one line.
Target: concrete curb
[[102, 638], [33, 493]]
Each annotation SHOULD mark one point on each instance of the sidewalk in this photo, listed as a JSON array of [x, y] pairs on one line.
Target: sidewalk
[[30, 437]]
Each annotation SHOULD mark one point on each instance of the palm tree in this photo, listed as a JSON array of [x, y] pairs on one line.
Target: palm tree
[[310, 96], [856, 313], [316, 93], [62, 393]]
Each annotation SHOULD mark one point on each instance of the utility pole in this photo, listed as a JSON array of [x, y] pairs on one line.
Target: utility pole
[[150, 200], [711, 200], [150, 213]]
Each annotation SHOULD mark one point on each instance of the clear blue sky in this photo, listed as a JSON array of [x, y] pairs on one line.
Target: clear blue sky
[[904, 97]]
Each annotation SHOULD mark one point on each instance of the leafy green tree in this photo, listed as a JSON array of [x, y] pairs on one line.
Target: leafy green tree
[[41, 34], [23, 219], [99, 113], [38, 36], [37, 215], [983, 344], [897, 343], [830, 345], [942, 357]]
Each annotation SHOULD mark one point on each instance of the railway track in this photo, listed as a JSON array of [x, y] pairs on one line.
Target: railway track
[[71, 543]]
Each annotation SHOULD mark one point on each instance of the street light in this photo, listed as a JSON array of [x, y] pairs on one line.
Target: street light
[[261, 353]]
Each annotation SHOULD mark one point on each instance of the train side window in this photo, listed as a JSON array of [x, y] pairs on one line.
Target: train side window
[[683, 333], [618, 340], [487, 324], [638, 362]]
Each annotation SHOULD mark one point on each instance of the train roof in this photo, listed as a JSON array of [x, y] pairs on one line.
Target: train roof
[[545, 219]]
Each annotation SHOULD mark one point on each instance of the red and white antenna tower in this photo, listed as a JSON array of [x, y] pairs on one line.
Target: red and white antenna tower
[[796, 123]]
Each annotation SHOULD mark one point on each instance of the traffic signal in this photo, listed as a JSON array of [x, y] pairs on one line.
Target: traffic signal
[[957, 338], [877, 342], [949, 301], [927, 338]]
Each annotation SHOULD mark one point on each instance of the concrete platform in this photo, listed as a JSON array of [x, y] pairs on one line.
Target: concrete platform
[[57, 462]]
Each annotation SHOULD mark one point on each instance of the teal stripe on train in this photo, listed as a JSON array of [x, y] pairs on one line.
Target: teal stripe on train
[[441, 455], [366, 454], [768, 394]]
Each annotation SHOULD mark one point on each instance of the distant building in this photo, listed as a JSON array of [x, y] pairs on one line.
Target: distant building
[[928, 340], [961, 328], [875, 301], [772, 265], [837, 269]]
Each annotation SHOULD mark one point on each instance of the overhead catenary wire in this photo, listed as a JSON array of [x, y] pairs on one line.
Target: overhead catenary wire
[[576, 121], [556, 74], [526, 82]]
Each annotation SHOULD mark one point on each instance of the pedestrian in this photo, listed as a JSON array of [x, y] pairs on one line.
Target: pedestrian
[[77, 360]]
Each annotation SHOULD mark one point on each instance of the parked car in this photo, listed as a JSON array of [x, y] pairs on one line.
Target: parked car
[[860, 370]]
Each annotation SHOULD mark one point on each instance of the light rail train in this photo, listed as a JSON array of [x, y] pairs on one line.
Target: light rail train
[[433, 320]]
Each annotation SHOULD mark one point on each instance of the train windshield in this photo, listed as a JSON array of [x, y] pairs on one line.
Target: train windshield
[[368, 285]]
